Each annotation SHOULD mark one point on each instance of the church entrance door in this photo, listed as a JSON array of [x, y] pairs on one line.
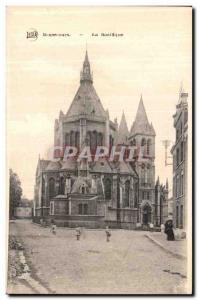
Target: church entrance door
[[146, 215]]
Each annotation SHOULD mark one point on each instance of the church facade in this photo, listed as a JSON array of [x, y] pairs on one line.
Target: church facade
[[99, 192]]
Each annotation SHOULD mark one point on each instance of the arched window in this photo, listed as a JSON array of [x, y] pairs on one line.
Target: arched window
[[100, 139], [77, 139], [133, 142], [148, 147], [67, 139], [51, 188], [143, 142], [89, 138], [85, 209], [107, 189], [80, 209], [62, 186], [127, 193], [72, 138], [94, 140], [136, 194], [143, 174], [143, 146], [83, 189]]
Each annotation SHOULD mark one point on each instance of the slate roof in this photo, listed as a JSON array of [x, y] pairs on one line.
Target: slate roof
[[141, 124]]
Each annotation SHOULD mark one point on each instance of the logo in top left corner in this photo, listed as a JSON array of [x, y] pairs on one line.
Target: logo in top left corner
[[32, 34]]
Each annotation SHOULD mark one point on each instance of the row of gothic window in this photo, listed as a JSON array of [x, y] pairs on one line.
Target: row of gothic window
[[144, 143], [107, 189], [93, 139], [179, 184], [180, 154]]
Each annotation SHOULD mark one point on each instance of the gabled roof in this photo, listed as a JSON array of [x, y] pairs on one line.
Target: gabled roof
[[53, 166], [101, 166], [69, 164], [141, 124], [123, 132]]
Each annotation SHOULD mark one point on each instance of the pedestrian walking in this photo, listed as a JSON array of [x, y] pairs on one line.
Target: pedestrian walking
[[53, 227], [78, 233], [108, 233], [169, 230]]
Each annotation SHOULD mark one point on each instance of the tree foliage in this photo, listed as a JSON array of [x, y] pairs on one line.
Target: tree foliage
[[15, 192]]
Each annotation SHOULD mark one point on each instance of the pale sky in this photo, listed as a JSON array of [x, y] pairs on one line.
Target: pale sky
[[152, 58]]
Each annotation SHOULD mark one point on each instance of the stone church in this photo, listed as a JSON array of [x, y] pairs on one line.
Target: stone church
[[95, 194]]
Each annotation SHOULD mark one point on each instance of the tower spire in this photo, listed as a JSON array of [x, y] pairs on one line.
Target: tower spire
[[86, 75]]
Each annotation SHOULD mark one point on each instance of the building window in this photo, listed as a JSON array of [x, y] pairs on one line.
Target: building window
[[148, 195], [93, 143], [136, 188], [127, 193], [67, 141], [100, 139], [52, 208], [110, 142], [88, 138], [133, 142], [177, 187], [177, 216], [51, 187], [83, 189], [77, 139], [181, 129], [83, 209], [143, 142], [72, 138], [182, 151], [177, 156], [62, 186], [182, 183], [148, 147], [80, 209], [107, 189], [181, 216]]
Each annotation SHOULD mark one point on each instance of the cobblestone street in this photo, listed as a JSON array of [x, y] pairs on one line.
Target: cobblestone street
[[129, 264]]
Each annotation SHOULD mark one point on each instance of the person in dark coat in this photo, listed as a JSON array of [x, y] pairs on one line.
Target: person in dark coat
[[169, 230]]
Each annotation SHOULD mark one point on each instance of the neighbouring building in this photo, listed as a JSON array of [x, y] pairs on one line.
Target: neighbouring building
[[116, 193], [180, 161]]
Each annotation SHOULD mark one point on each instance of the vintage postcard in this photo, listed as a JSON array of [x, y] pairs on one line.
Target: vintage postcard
[[99, 150]]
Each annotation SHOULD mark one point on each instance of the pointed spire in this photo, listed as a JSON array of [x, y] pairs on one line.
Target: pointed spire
[[141, 124], [123, 131], [85, 75]]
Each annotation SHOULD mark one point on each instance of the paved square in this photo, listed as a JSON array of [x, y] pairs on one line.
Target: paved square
[[128, 264]]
